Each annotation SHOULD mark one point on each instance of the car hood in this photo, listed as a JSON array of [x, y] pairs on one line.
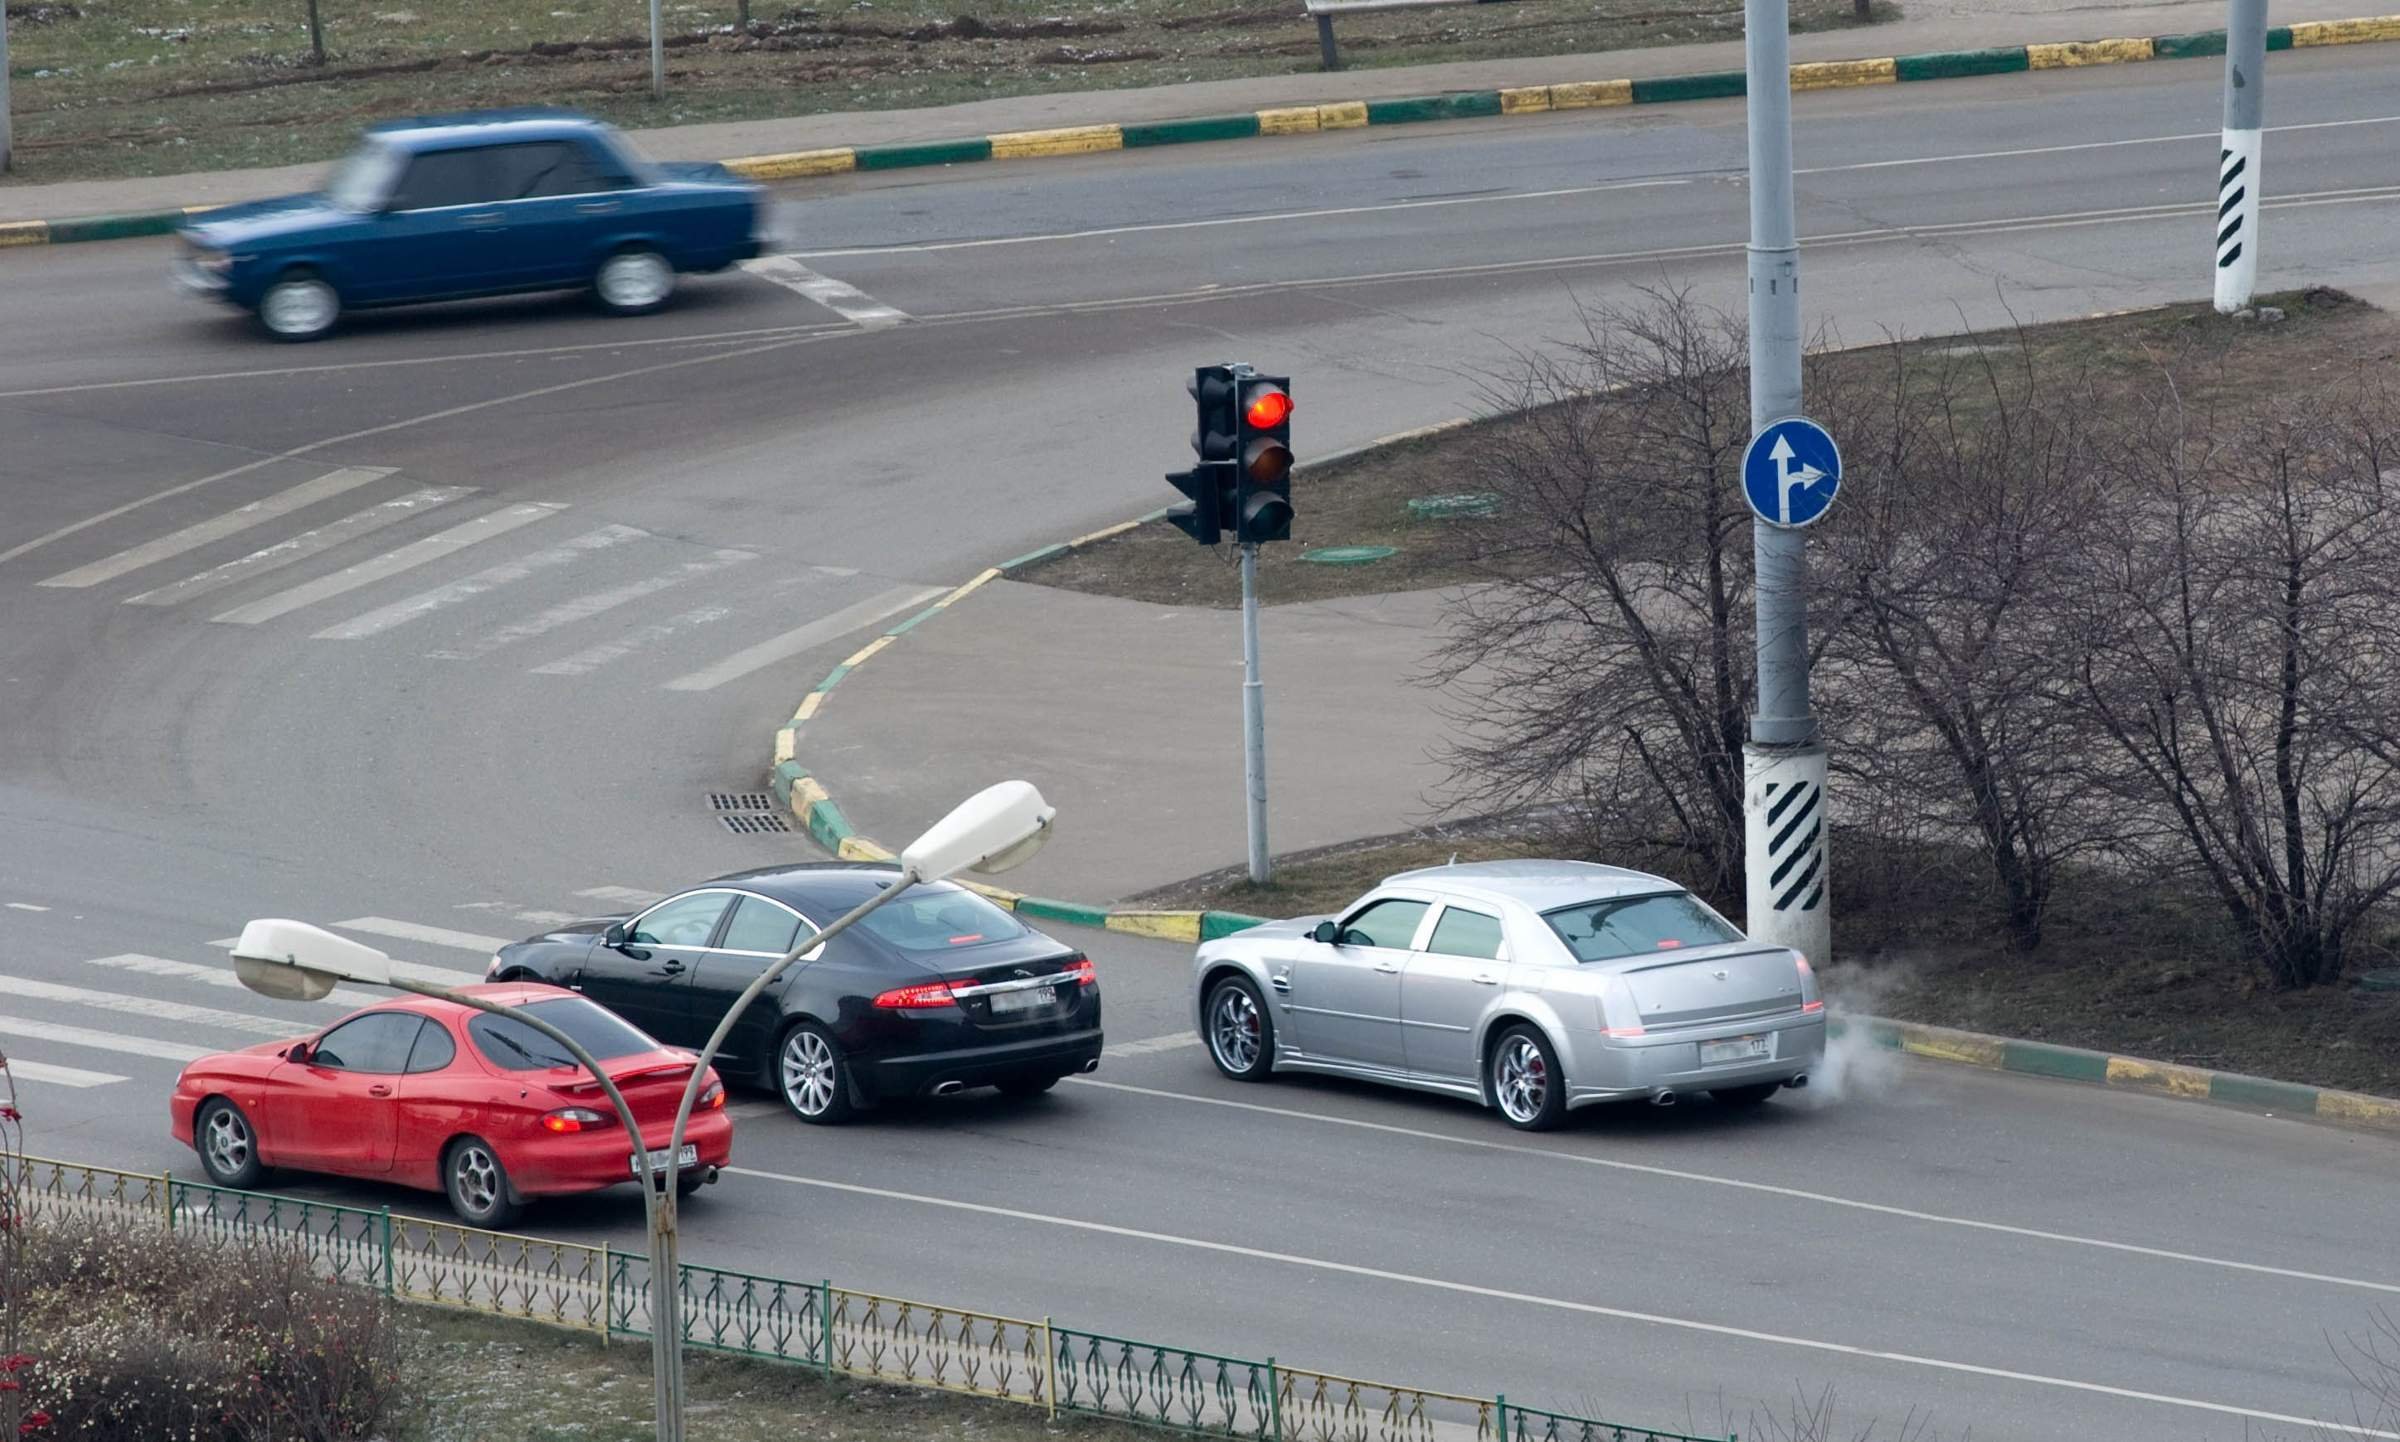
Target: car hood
[[231, 226], [582, 929], [702, 172], [1292, 928]]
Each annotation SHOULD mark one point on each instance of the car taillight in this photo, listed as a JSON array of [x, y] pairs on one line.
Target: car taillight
[[1081, 970], [1621, 1031], [571, 1119], [714, 1097], [924, 997], [1807, 974]]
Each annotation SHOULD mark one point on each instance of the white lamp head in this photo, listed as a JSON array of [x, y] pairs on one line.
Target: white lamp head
[[995, 829], [294, 961]]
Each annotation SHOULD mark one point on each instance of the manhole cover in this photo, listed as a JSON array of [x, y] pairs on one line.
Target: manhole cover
[[1348, 555], [741, 800], [1472, 503], [753, 823]]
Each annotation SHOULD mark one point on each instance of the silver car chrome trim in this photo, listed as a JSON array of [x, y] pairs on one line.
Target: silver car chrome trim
[[1022, 983]]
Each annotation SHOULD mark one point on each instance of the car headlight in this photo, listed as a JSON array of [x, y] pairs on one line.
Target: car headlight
[[213, 262]]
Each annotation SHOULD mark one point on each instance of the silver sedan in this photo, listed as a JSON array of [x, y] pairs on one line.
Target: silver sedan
[[1532, 986]]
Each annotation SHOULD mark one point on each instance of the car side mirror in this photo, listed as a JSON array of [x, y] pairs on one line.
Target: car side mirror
[[614, 936], [1326, 933], [300, 1052]]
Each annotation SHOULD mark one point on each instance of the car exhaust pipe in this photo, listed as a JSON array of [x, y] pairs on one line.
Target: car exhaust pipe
[[709, 1178], [1092, 1065], [1663, 1097], [1798, 1083], [948, 1088]]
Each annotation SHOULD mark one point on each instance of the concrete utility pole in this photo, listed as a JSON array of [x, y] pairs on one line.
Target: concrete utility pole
[[2237, 160], [6, 138], [658, 57], [1783, 791]]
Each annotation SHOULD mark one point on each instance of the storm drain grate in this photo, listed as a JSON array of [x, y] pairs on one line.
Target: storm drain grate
[[748, 813], [748, 824]]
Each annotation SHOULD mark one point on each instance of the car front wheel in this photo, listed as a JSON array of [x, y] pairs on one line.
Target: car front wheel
[[478, 1184], [228, 1145], [1241, 1036], [633, 282], [1525, 1082], [810, 1076], [300, 306]]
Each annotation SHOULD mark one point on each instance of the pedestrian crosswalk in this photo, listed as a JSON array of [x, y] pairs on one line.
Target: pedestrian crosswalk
[[445, 572]]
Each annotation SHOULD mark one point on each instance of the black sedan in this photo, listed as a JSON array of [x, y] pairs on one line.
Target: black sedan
[[937, 991]]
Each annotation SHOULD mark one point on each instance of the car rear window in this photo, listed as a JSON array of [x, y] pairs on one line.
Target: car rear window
[[511, 1045], [928, 920], [1634, 925]]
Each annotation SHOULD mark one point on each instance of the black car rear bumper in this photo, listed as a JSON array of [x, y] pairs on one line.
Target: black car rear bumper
[[927, 1072]]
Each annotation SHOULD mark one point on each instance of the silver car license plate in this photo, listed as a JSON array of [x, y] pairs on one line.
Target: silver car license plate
[[1736, 1048], [686, 1157], [1031, 999]]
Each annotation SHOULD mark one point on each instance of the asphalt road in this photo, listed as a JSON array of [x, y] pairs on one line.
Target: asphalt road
[[458, 621]]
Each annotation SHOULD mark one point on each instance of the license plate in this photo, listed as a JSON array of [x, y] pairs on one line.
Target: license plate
[[1737, 1048], [687, 1157], [1031, 999]]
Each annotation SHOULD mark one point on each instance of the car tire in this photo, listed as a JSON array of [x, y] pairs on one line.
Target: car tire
[[300, 306], [811, 1077], [1523, 1080], [1027, 1086], [1745, 1097], [478, 1184], [1239, 1031], [228, 1145], [634, 281]]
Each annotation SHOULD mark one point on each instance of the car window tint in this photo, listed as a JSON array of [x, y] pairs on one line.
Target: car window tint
[[942, 919], [1465, 933], [760, 925], [434, 1049], [376, 1042], [511, 1045], [543, 168], [1390, 923], [1632, 925], [444, 177], [684, 921]]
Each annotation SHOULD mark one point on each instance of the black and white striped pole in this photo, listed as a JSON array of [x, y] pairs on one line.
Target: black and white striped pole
[[2237, 158]]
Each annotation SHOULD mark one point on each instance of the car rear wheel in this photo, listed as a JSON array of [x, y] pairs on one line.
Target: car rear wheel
[[1027, 1086], [633, 282], [478, 1184], [1241, 1036], [811, 1078], [228, 1145], [1525, 1082], [300, 306], [1749, 1096]]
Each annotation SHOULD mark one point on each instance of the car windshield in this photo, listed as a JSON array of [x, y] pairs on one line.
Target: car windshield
[[941, 920], [363, 178], [511, 1045], [1632, 925]]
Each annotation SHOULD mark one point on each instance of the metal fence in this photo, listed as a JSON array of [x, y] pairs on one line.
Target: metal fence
[[814, 1324]]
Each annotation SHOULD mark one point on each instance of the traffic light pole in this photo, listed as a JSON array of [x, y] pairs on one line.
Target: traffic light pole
[[1783, 792], [1254, 722]]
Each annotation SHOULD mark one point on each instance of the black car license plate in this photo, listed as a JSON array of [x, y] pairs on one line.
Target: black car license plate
[[1031, 999]]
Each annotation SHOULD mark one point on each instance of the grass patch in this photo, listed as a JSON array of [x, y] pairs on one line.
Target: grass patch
[[147, 87], [1364, 500]]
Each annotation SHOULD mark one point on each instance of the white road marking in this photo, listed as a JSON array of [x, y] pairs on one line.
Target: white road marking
[[1763, 1188], [60, 1076], [430, 935], [25, 906], [214, 976], [301, 547], [751, 1111], [583, 608], [149, 1006], [489, 525], [425, 603], [217, 528], [838, 296], [415, 971], [511, 909], [2082, 145], [623, 895], [1175, 1041], [59, 1035], [592, 658], [816, 633], [1593, 1309]]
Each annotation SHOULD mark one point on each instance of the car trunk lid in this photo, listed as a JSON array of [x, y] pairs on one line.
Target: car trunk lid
[[651, 1082], [1024, 984], [1717, 983]]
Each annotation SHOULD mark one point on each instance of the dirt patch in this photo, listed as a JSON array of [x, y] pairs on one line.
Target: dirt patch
[[139, 87], [1365, 501]]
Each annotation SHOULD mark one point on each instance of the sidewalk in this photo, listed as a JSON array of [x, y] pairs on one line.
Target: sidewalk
[[1933, 25]]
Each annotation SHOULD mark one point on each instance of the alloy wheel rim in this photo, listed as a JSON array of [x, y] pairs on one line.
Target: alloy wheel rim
[[1521, 1079], [299, 307], [808, 1079], [228, 1142], [1233, 1030], [634, 280], [478, 1180]]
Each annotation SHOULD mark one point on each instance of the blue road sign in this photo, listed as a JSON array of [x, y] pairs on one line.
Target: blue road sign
[[1791, 471]]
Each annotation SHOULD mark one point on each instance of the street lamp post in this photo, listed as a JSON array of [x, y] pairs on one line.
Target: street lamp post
[[997, 828]]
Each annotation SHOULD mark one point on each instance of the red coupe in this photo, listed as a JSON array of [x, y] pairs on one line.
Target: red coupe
[[435, 1095]]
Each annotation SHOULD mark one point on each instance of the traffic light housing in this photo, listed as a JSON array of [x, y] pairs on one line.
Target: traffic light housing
[[1216, 439], [1262, 509]]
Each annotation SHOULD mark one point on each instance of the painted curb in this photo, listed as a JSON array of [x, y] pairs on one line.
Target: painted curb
[[1403, 110]]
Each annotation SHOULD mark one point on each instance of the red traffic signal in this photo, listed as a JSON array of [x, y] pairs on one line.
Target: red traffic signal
[[1269, 407]]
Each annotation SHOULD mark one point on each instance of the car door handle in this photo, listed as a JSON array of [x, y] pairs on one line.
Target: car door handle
[[379, 1090], [670, 967], [1485, 978], [598, 207], [481, 217], [1387, 967]]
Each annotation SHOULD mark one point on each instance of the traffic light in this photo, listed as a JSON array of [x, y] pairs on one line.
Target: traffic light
[[1216, 438], [1262, 509]]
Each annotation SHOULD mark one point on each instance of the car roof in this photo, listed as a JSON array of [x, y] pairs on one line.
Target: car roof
[[1541, 885], [508, 993], [813, 884], [482, 127]]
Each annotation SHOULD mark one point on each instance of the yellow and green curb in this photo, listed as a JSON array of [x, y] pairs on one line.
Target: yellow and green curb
[[1402, 110]]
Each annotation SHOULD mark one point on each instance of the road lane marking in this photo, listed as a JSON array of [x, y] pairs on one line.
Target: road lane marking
[[488, 526], [751, 1111], [511, 909], [838, 296], [816, 633], [301, 547], [415, 971], [2184, 139], [25, 906], [148, 1006], [1151, 1045], [217, 528], [212, 976], [1737, 1184], [430, 935], [60, 1076], [1501, 1294], [425, 603], [631, 898], [592, 658], [583, 608], [61, 1035]]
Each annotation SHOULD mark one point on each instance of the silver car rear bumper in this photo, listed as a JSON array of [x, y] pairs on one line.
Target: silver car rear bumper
[[1614, 1069]]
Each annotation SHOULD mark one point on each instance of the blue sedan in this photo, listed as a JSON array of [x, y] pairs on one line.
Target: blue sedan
[[473, 205]]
